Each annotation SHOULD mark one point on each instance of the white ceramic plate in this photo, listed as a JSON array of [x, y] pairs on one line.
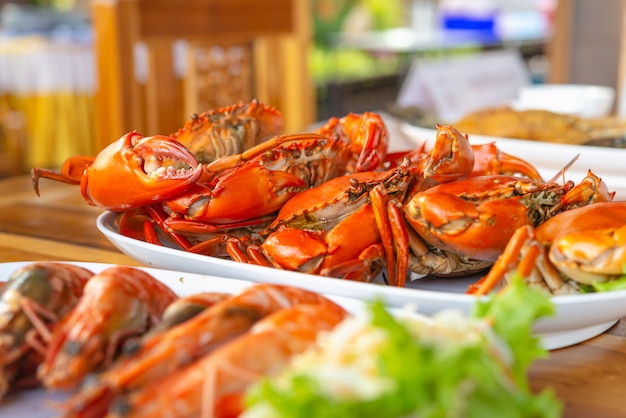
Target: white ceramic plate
[[577, 318], [607, 163], [39, 403]]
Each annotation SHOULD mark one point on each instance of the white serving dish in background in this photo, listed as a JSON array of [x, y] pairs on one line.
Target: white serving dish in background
[[582, 100]]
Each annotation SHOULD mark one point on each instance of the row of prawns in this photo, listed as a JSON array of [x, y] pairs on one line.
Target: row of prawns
[[333, 202], [125, 345]]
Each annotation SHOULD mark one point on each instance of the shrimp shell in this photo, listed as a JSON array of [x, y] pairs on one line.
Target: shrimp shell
[[166, 353], [33, 299], [214, 386], [176, 313], [117, 303]]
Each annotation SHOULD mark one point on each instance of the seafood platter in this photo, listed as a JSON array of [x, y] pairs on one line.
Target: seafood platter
[[445, 225], [121, 341]]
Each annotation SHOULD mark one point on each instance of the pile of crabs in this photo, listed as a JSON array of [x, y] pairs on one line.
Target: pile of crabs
[[335, 202]]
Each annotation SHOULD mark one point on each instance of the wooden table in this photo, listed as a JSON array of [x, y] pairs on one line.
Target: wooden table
[[590, 378], [59, 225]]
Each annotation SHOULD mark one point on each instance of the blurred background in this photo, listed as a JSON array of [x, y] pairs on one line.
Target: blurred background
[[359, 53]]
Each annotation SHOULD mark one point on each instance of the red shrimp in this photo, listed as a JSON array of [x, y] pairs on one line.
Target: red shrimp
[[214, 386], [33, 299], [168, 352], [118, 303]]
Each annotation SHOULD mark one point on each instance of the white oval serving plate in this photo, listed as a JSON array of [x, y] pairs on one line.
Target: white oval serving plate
[[577, 318]]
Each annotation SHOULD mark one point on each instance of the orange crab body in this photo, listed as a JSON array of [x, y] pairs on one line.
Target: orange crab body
[[580, 246], [229, 130], [588, 244], [323, 253], [349, 226], [325, 227], [335, 229], [476, 217], [368, 135], [260, 181]]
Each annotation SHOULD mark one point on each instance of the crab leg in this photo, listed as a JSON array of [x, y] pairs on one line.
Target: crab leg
[[528, 257], [504, 264], [393, 233], [71, 171], [488, 159]]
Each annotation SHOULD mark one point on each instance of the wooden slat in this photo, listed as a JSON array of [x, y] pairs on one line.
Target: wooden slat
[[217, 75], [53, 250], [202, 18], [115, 40], [13, 140], [559, 47], [164, 95], [621, 76], [58, 225], [301, 106], [568, 372]]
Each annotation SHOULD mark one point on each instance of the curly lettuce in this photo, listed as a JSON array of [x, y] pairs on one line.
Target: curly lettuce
[[397, 366], [609, 286]]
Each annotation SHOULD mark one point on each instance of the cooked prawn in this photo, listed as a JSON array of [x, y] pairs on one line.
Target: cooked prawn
[[117, 303], [34, 298], [165, 353], [176, 313], [214, 386]]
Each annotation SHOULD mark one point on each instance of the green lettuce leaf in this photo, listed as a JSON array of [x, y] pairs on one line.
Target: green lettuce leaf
[[615, 284], [513, 313]]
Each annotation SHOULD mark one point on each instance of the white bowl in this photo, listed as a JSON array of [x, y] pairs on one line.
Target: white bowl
[[581, 100]]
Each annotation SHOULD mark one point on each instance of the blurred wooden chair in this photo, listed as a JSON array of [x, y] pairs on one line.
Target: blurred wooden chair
[[12, 142], [159, 61]]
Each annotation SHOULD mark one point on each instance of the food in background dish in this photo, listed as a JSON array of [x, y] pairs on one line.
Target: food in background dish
[[543, 125]]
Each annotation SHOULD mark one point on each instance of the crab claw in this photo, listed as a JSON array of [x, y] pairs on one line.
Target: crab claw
[[451, 158], [367, 135], [489, 160], [136, 170]]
